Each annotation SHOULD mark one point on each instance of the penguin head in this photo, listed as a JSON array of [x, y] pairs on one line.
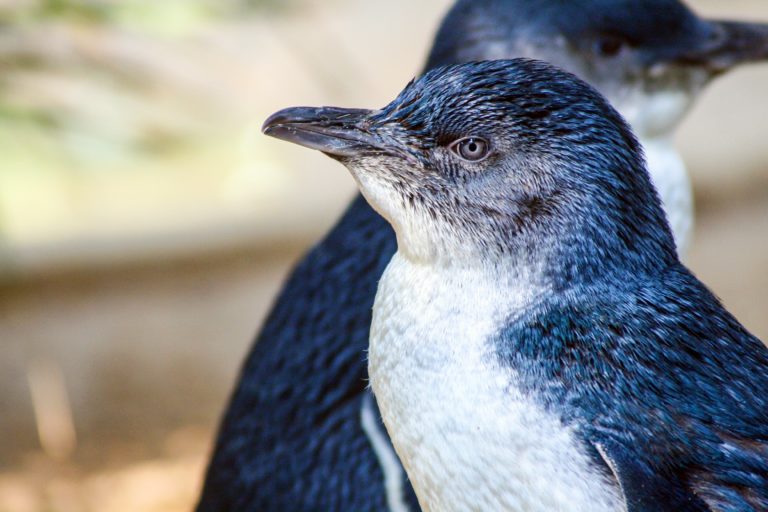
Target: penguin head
[[650, 58], [490, 160]]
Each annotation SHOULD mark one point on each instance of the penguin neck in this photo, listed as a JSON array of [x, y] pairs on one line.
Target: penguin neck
[[670, 177], [654, 116]]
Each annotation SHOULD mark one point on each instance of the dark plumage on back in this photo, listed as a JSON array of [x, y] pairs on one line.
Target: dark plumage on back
[[664, 380], [291, 438]]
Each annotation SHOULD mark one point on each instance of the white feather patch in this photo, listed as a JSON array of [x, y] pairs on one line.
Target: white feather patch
[[468, 437], [390, 465]]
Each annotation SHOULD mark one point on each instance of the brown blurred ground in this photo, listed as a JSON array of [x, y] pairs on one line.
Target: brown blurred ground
[[147, 326]]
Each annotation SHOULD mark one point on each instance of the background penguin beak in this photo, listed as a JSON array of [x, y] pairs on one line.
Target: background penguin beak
[[727, 44], [338, 132]]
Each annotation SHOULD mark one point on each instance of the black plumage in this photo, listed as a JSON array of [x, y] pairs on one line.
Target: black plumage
[[291, 438]]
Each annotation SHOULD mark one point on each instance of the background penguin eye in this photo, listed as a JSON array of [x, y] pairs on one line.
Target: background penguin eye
[[472, 149], [609, 45]]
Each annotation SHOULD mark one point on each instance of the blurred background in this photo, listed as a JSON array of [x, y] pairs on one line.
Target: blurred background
[[145, 223]]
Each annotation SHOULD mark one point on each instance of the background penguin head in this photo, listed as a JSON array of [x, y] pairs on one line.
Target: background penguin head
[[474, 162], [650, 58]]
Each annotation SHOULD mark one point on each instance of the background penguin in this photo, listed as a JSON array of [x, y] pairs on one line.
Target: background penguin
[[301, 431], [536, 344]]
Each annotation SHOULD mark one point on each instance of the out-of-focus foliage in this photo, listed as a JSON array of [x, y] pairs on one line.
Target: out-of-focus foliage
[[97, 91], [103, 11], [76, 36]]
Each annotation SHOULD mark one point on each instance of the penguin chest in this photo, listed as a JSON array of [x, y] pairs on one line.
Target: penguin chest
[[468, 437]]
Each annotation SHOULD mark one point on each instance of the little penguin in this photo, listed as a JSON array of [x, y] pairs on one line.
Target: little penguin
[[301, 432], [536, 343]]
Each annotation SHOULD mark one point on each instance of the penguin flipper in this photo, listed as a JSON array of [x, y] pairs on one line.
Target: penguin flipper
[[643, 489]]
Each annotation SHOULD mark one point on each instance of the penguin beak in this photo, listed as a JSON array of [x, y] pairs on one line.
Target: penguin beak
[[337, 132], [726, 44]]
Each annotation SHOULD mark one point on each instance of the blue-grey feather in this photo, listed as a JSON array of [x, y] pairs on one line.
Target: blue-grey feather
[[658, 367]]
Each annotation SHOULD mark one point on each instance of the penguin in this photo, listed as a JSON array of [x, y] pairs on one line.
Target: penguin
[[536, 343]]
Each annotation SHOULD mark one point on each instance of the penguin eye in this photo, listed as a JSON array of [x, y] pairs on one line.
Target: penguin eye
[[471, 149], [609, 45]]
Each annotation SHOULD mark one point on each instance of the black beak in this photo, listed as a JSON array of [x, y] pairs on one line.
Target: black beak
[[338, 132], [726, 44]]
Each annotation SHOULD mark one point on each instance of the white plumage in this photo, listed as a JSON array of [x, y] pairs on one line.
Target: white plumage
[[465, 433]]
